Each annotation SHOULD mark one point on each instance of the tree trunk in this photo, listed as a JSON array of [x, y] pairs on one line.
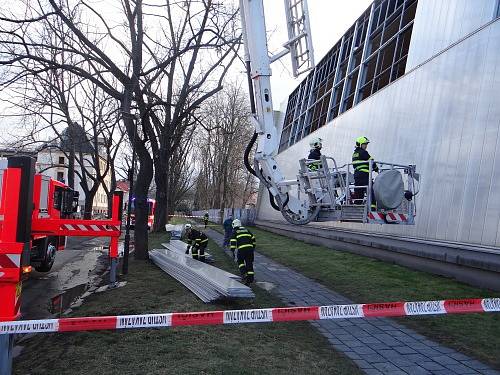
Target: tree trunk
[[111, 191], [89, 203], [143, 181], [162, 190], [141, 188]]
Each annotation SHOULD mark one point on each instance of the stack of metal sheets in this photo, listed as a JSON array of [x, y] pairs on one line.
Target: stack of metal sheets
[[207, 282], [175, 230]]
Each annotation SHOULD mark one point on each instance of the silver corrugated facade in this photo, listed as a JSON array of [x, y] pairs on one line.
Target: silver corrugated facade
[[442, 116], [439, 23]]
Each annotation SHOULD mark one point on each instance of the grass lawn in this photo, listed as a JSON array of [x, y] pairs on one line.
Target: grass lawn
[[282, 348], [368, 280]]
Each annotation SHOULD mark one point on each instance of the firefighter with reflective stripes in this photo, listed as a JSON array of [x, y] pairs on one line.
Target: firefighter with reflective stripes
[[243, 241], [315, 154], [361, 164], [205, 219], [197, 241]]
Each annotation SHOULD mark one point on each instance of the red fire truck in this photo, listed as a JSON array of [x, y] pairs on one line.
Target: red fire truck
[[151, 212], [35, 218], [52, 200]]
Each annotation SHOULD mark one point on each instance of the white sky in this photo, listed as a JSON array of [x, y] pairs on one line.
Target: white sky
[[329, 20]]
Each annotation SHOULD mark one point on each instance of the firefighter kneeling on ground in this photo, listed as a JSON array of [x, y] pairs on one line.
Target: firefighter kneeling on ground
[[243, 241], [197, 242], [361, 163]]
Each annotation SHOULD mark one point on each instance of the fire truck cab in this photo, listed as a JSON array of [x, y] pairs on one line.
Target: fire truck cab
[[52, 199]]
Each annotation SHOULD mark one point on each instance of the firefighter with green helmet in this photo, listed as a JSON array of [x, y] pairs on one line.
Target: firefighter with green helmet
[[243, 241], [361, 164], [315, 154]]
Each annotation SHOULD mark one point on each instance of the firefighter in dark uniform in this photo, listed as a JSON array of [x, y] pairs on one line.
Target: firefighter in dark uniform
[[360, 162], [205, 219], [243, 241], [197, 241], [315, 154]]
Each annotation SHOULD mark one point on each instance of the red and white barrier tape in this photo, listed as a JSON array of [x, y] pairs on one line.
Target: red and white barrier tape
[[211, 217], [281, 314]]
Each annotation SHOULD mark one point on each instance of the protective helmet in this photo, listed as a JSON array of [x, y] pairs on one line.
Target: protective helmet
[[236, 223], [315, 142], [361, 141], [188, 226]]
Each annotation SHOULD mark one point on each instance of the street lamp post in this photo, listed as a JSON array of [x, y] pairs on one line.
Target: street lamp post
[[126, 245]]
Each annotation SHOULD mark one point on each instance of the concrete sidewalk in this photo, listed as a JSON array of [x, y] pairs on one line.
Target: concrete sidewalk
[[376, 345]]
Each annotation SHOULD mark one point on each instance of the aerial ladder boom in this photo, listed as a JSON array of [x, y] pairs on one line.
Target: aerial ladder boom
[[252, 14], [325, 194]]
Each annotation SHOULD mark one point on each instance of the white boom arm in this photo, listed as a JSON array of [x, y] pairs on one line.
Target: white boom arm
[[252, 15]]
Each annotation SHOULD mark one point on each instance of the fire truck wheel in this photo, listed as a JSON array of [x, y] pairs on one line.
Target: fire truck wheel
[[50, 257]]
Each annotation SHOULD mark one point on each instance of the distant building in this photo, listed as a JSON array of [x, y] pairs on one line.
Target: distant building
[[52, 160], [123, 185]]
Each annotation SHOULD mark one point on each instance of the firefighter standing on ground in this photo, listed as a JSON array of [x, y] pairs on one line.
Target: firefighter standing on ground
[[228, 230], [197, 242], [315, 154], [361, 163], [205, 219], [243, 241]]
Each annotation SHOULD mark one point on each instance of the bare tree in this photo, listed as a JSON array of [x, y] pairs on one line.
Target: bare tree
[[181, 171], [81, 121], [222, 179], [147, 61], [208, 30]]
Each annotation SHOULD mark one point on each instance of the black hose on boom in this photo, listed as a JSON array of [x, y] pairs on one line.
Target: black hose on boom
[[273, 203], [250, 145], [246, 156]]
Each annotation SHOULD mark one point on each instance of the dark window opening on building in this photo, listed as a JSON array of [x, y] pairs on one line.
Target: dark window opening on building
[[60, 176], [391, 30], [61, 160], [409, 14]]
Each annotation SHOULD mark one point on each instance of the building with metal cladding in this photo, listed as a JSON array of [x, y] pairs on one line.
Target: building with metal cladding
[[421, 80]]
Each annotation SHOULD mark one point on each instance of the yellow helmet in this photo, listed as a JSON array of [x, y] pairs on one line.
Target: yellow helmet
[[361, 141]]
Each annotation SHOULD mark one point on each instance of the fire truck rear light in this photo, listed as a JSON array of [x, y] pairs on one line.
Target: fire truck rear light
[[27, 269]]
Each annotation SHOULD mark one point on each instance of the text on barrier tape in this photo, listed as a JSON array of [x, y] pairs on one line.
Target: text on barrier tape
[[279, 314]]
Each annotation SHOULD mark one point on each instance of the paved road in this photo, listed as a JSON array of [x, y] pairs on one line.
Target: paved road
[[83, 257]]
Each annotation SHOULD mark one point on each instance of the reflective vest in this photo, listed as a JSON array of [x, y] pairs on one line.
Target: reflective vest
[[360, 161], [197, 238], [315, 154], [242, 238]]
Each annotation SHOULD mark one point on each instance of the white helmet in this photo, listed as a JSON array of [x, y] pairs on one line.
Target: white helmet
[[236, 223], [315, 142], [187, 226]]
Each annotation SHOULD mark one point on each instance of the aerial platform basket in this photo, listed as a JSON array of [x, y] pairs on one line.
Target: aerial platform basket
[[389, 198]]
